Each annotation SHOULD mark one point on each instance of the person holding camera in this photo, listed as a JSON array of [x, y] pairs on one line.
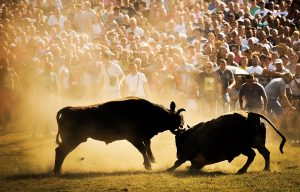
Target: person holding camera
[[136, 82], [110, 78]]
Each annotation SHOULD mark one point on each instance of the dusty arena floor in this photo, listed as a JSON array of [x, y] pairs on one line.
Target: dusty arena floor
[[26, 164]]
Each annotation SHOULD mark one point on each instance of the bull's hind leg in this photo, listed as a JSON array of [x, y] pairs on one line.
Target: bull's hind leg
[[260, 142], [149, 151], [250, 153], [142, 149], [60, 154], [266, 154]]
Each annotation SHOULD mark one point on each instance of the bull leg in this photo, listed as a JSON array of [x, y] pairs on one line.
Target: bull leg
[[60, 154], [250, 153], [266, 154], [149, 151], [176, 164], [142, 149]]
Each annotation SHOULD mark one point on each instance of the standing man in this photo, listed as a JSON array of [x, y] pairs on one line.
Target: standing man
[[136, 83], [8, 82], [276, 93], [209, 88], [228, 82], [255, 69], [46, 93], [254, 95], [110, 78]]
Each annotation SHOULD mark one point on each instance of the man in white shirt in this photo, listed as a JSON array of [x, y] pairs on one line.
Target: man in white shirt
[[262, 11], [110, 78], [57, 19], [255, 69], [134, 28], [136, 82]]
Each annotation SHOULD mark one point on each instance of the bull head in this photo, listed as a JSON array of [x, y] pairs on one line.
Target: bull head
[[173, 106], [179, 118]]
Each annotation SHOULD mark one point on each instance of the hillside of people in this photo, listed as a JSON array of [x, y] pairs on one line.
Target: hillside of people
[[210, 56]]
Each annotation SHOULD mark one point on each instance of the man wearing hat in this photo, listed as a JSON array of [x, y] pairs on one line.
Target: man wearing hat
[[110, 77], [279, 69]]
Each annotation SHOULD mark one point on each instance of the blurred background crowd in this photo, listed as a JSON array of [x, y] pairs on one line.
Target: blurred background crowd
[[199, 53]]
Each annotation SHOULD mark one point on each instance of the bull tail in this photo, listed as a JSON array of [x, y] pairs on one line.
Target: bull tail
[[58, 115], [277, 131]]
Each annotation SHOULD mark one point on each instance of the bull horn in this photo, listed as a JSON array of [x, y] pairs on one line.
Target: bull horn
[[179, 111]]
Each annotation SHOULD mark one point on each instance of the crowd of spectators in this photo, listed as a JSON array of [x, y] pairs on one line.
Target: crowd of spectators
[[85, 51]]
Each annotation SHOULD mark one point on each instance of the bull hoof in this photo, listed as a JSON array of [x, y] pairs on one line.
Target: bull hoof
[[152, 160], [147, 166], [266, 169], [57, 172], [170, 170], [241, 171]]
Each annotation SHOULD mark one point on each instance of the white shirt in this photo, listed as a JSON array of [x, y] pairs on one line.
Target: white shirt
[[97, 29], [53, 20], [271, 67], [135, 84], [262, 12], [114, 70], [283, 13], [180, 28], [255, 70], [137, 31], [64, 77]]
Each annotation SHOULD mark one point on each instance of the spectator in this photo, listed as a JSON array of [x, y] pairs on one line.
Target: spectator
[[255, 69], [136, 83], [254, 95], [228, 82], [134, 28], [57, 19], [47, 92], [277, 89], [293, 62], [8, 84], [209, 88], [295, 87], [110, 78]]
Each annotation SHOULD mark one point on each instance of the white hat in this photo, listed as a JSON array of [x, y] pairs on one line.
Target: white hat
[[279, 61]]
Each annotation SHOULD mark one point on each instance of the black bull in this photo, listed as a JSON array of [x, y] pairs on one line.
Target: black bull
[[224, 138], [136, 120]]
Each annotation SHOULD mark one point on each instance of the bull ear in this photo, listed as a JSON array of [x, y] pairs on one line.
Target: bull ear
[[172, 106]]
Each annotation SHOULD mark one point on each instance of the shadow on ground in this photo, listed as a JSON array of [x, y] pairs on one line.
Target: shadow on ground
[[179, 174]]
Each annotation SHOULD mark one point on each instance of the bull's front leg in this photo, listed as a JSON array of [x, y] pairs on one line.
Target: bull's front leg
[[176, 164], [250, 153], [149, 151], [142, 149], [60, 154]]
